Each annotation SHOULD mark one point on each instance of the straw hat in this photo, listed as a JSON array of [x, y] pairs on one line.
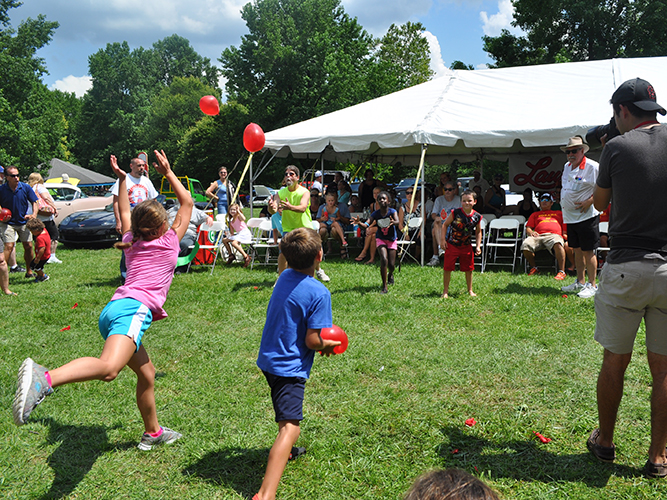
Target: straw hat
[[575, 142]]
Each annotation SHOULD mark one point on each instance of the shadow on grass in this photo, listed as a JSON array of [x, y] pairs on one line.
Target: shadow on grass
[[520, 289], [526, 460], [106, 282], [241, 469], [79, 448], [245, 285]]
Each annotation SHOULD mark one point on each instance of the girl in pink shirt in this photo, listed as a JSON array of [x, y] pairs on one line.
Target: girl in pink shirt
[[151, 249], [238, 233]]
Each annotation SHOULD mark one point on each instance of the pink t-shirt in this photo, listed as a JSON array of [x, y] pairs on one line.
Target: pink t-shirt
[[150, 269], [237, 225]]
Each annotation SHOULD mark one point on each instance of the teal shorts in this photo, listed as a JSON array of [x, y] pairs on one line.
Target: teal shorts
[[127, 317]]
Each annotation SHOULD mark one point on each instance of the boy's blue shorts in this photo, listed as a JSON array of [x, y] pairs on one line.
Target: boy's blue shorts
[[127, 317], [287, 396]]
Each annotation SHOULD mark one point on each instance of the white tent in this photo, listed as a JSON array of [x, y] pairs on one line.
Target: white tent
[[470, 114]]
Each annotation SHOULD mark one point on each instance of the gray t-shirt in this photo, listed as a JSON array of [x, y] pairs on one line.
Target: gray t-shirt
[[634, 166]]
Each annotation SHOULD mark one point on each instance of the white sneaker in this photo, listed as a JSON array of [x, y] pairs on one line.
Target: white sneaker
[[576, 286], [321, 275], [589, 290], [54, 260], [441, 252], [433, 262]]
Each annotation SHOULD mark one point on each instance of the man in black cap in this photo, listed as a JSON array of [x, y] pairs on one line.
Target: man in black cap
[[633, 282]]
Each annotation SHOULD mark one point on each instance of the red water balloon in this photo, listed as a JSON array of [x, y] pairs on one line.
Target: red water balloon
[[253, 138], [209, 105], [5, 215], [335, 333]]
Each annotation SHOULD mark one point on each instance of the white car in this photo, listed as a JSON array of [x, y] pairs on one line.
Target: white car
[[69, 199]]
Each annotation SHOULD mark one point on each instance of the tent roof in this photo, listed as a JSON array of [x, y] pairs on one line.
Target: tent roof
[[85, 176], [468, 113]]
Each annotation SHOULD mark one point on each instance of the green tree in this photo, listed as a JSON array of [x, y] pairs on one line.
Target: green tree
[[33, 127], [402, 60], [461, 65], [175, 57], [173, 111], [212, 142], [301, 58], [578, 30]]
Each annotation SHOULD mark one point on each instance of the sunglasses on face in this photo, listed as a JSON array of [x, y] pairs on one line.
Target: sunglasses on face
[[571, 151], [449, 189], [408, 193], [12, 175]]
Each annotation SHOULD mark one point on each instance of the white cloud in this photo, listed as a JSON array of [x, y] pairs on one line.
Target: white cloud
[[437, 64], [492, 25], [77, 84]]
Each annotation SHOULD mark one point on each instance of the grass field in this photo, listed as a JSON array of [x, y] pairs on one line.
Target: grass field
[[518, 358]]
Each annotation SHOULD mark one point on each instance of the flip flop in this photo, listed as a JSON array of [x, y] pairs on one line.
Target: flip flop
[[656, 470], [360, 258]]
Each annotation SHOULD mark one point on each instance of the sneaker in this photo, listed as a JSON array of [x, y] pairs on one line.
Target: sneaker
[[54, 260], [588, 291], [39, 279], [168, 436], [17, 269], [321, 275], [573, 287], [560, 276], [433, 262], [441, 252], [533, 270], [32, 389]]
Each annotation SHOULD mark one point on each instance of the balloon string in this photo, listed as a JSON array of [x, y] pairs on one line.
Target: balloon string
[[236, 192]]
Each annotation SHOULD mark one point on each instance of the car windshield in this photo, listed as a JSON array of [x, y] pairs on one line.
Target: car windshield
[[64, 194]]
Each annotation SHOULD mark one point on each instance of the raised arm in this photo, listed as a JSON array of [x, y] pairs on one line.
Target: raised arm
[[184, 213], [122, 201]]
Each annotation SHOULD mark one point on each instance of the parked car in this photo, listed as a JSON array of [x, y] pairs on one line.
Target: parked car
[[69, 199], [327, 177], [92, 228], [261, 195], [402, 186]]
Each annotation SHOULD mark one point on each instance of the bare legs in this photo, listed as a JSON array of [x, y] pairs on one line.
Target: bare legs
[[387, 265], [585, 260], [4, 276], [369, 245], [446, 278], [118, 352], [288, 433]]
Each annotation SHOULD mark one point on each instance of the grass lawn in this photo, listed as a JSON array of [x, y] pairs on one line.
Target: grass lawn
[[518, 358]]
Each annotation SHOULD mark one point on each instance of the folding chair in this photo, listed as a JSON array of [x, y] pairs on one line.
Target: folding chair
[[604, 229], [502, 233], [215, 233], [187, 259], [404, 245], [482, 228], [262, 239]]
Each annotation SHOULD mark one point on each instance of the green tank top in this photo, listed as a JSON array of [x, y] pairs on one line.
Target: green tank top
[[292, 219]]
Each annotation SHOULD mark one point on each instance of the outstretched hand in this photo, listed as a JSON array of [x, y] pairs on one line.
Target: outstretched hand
[[121, 174], [329, 347], [162, 166]]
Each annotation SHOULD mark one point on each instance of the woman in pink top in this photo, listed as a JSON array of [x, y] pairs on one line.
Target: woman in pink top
[[151, 250], [238, 234]]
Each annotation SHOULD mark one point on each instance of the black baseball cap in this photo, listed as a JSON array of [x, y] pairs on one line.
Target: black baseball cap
[[639, 92]]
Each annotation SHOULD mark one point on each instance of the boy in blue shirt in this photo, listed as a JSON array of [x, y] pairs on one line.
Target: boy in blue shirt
[[299, 308]]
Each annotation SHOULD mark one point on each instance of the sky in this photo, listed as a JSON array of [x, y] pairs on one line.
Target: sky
[[454, 28]]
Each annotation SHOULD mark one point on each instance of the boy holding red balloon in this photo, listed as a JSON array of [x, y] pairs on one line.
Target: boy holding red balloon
[[300, 307]]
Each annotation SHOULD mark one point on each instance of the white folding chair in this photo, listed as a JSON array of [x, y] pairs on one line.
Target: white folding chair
[[482, 228], [604, 229], [404, 244], [262, 241], [216, 232], [503, 233]]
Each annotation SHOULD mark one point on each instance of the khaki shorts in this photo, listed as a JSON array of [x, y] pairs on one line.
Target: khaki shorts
[[12, 234], [627, 293], [543, 241]]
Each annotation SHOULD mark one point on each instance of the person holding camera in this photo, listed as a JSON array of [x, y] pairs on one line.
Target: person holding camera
[[633, 281], [581, 217]]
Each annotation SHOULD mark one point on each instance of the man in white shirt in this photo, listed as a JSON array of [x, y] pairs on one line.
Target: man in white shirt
[[581, 217], [317, 183], [441, 208], [139, 188], [480, 181]]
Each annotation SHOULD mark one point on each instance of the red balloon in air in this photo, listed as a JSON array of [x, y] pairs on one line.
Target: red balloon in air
[[253, 138], [5, 215], [335, 333], [209, 105]]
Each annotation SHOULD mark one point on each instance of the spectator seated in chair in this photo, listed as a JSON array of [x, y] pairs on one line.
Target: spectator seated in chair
[[545, 230]]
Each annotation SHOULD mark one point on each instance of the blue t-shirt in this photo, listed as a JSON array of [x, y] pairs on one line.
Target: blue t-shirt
[[298, 302], [17, 201], [385, 233]]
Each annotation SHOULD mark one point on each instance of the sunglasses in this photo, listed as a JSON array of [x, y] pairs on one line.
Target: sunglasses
[[408, 192], [572, 151], [12, 175], [289, 173], [449, 189]]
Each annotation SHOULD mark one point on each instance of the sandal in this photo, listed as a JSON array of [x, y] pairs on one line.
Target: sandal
[[656, 470], [343, 251], [231, 259], [296, 452], [361, 257], [247, 261], [605, 453]]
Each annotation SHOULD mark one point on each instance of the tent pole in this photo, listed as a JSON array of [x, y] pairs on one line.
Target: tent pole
[[423, 189]]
